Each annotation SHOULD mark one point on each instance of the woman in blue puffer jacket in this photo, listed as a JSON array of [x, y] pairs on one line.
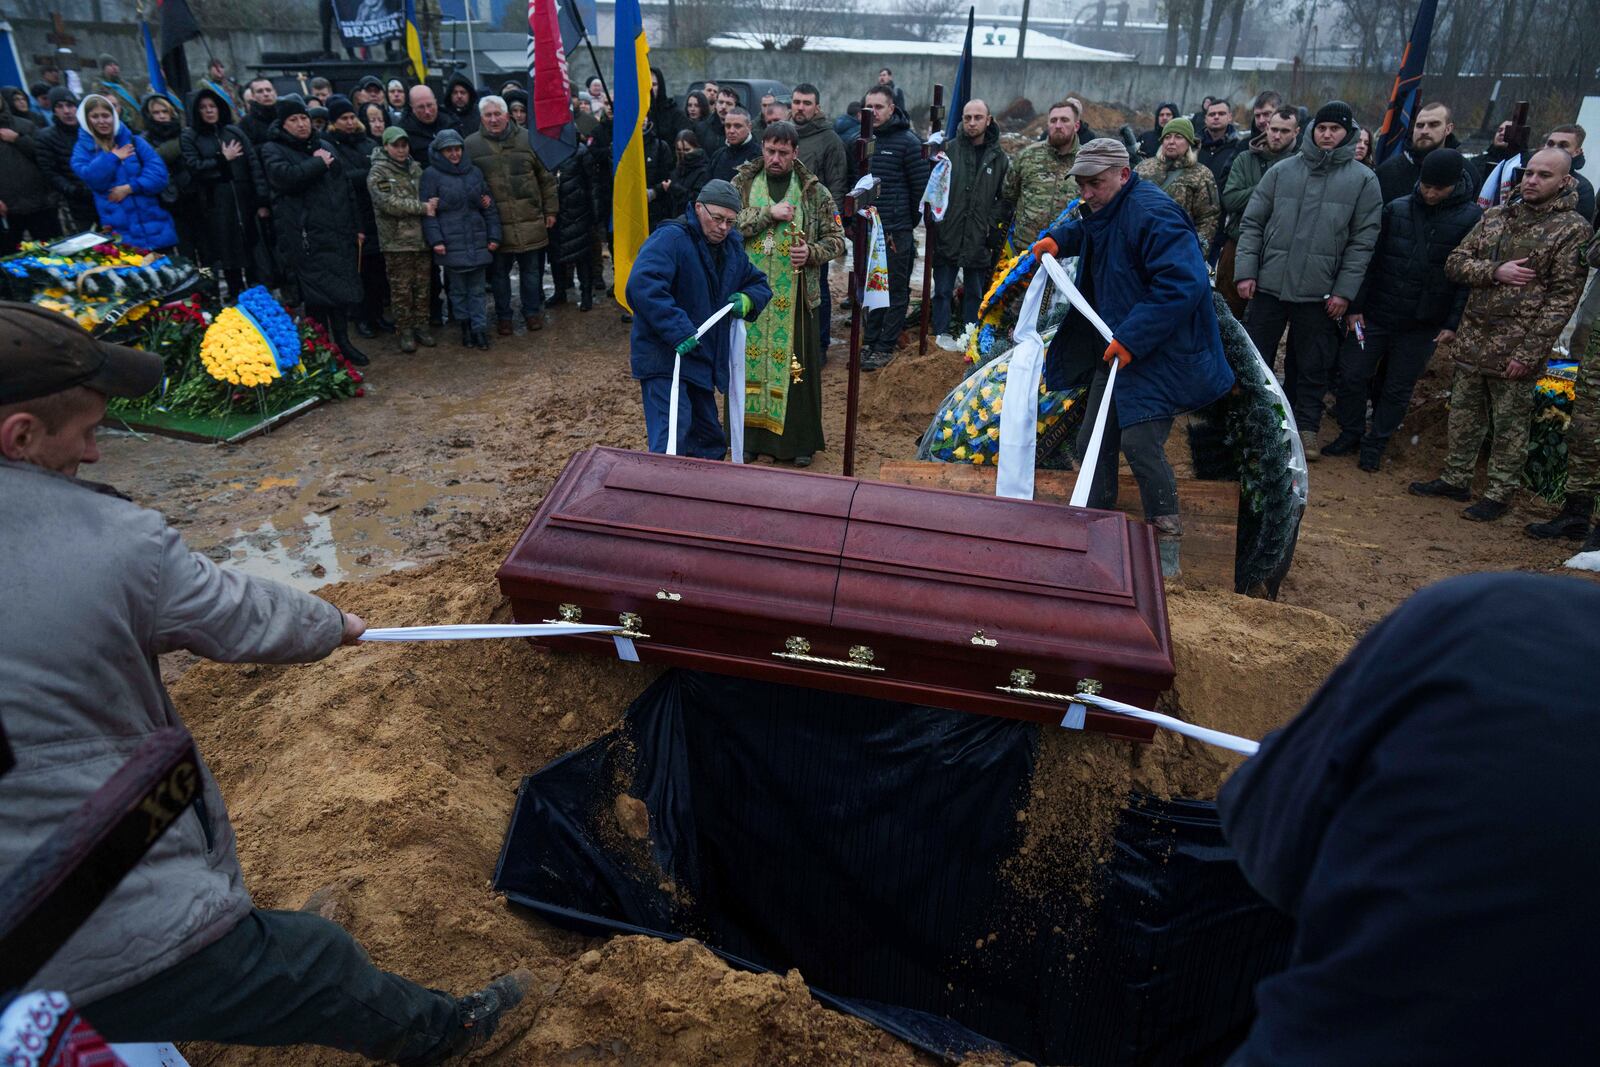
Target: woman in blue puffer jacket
[[125, 174]]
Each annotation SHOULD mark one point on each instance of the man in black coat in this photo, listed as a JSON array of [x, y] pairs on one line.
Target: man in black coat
[[262, 111], [55, 145], [1220, 143], [423, 121], [1426, 822], [902, 170], [1431, 129], [1405, 305], [317, 220], [969, 235], [460, 105], [739, 146]]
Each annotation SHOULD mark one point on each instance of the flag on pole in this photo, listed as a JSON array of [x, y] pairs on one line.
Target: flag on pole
[[1407, 85], [178, 24], [630, 89], [158, 79], [414, 52], [551, 131], [961, 92]]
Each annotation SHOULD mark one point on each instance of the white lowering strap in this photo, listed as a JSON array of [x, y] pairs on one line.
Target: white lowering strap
[[677, 368]]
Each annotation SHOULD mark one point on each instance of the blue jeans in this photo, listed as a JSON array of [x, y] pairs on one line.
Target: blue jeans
[[944, 287], [467, 303], [530, 271], [699, 429]]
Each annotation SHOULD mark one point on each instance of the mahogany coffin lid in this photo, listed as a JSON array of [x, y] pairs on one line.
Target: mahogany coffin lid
[[727, 565]]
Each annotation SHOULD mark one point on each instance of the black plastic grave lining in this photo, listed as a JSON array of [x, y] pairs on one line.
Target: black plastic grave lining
[[859, 841]]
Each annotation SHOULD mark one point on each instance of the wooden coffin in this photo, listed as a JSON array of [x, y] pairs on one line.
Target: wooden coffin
[[980, 604]]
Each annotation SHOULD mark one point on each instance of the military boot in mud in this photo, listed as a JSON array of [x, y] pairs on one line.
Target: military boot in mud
[[1572, 524], [480, 1013]]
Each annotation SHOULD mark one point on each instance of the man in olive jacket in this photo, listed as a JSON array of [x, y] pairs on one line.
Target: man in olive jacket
[[1266, 149], [525, 193], [395, 185], [97, 588], [1304, 245], [969, 234]]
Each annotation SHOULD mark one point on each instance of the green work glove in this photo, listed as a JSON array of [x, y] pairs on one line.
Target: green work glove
[[742, 305], [688, 344]]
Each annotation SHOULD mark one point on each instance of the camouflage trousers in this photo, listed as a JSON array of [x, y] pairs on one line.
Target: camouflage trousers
[[408, 288], [1482, 405], [1583, 435]]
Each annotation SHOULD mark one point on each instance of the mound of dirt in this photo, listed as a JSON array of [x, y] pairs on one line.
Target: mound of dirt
[[906, 393], [642, 1000], [374, 787]]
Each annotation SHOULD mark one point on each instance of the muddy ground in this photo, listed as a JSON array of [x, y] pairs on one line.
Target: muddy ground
[[381, 779]]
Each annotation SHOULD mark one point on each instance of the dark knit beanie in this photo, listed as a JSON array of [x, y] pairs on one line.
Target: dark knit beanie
[[61, 95], [339, 105], [288, 107], [1442, 168], [1336, 111]]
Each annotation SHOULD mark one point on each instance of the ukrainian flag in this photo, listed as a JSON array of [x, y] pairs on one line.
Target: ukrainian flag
[[630, 87], [419, 61]]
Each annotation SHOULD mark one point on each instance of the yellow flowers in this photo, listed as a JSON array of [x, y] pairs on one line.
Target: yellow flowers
[[233, 350]]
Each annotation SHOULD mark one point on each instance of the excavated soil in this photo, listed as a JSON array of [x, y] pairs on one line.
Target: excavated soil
[[377, 783]]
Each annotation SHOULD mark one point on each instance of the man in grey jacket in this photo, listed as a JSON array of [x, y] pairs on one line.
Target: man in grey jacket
[[98, 587], [1304, 245]]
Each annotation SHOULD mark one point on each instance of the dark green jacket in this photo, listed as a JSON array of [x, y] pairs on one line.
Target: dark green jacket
[[523, 190], [976, 176], [1244, 176]]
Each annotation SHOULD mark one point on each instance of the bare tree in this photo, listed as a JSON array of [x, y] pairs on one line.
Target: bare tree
[[786, 25], [927, 20], [701, 20]]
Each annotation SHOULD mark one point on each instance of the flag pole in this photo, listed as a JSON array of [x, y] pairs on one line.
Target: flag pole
[[577, 20], [930, 227], [472, 53]]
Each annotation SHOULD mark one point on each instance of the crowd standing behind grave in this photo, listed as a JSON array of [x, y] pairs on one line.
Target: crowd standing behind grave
[[1368, 267]]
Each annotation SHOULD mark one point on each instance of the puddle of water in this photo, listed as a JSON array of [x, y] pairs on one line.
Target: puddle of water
[[266, 552]]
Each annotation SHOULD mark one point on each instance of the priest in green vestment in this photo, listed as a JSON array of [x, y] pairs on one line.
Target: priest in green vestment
[[790, 227]]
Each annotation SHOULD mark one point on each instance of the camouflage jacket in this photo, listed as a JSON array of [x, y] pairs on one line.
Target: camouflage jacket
[[1192, 186], [1038, 186], [1505, 322], [822, 229]]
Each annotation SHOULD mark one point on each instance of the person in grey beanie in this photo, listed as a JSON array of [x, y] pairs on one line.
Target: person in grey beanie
[[464, 233]]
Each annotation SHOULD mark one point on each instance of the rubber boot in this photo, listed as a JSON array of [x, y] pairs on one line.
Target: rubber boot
[[339, 326], [1572, 523], [408, 343]]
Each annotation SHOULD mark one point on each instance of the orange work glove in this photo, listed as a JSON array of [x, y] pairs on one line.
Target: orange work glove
[[1115, 351], [1043, 245]]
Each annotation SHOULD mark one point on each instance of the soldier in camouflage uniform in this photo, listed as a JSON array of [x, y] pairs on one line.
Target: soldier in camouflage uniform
[[1583, 449], [1176, 171], [1524, 263], [1039, 184]]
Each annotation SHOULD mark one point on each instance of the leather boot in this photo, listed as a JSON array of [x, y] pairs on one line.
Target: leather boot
[[340, 328], [467, 339], [1572, 523], [535, 323], [586, 298], [424, 338], [1592, 542], [408, 343]]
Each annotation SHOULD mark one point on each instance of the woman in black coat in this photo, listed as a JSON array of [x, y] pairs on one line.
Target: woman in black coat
[[578, 220], [226, 187], [691, 173], [354, 147], [317, 220]]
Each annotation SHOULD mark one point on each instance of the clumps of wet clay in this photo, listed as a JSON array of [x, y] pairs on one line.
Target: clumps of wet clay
[[632, 816]]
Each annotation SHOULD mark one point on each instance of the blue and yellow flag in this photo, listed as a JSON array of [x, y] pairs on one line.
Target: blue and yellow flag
[[419, 61], [630, 87]]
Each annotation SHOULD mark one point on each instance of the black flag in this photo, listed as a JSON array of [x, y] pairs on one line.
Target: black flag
[[177, 24]]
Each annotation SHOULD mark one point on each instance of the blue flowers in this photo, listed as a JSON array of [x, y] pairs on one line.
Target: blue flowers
[[274, 323]]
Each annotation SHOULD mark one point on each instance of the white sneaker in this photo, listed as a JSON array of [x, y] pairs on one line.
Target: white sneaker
[[1308, 441]]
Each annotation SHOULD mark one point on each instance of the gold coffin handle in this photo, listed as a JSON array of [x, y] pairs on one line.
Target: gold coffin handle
[[1022, 681], [798, 650]]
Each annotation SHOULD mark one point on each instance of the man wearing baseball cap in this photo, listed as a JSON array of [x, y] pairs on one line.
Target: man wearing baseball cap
[[1142, 268], [96, 588]]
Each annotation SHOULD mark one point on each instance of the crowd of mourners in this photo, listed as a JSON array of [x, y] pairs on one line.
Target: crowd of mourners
[[392, 209]]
